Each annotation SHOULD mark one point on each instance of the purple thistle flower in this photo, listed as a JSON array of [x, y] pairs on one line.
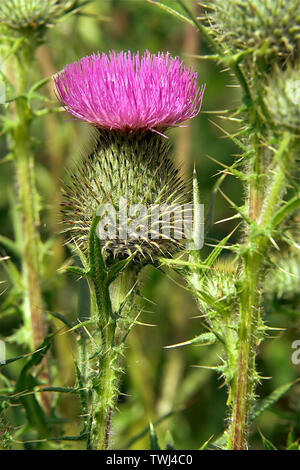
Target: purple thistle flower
[[124, 91]]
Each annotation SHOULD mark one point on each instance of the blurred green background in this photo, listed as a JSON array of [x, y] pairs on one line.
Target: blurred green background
[[157, 381]]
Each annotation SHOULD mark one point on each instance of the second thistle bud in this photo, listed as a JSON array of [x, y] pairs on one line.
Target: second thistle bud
[[269, 26], [282, 99], [221, 283], [33, 15]]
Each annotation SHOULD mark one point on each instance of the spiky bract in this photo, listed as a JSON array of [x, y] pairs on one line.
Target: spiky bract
[[126, 91], [282, 99], [33, 14], [283, 280], [221, 283], [133, 169], [270, 27]]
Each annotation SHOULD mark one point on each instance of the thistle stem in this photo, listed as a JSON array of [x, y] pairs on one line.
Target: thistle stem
[[107, 302], [106, 395], [31, 276], [243, 385], [29, 214], [105, 383]]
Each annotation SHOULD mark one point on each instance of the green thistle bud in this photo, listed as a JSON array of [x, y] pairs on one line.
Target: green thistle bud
[[221, 280], [221, 283], [271, 26], [33, 14], [135, 168], [283, 280], [282, 99]]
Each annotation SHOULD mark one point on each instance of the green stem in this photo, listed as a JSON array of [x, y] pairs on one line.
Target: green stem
[[24, 162], [107, 302], [29, 215], [201, 29], [245, 379], [222, 55], [30, 258], [105, 383], [106, 394]]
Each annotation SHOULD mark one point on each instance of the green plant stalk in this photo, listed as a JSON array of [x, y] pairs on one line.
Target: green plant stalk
[[262, 210], [106, 392], [107, 302], [28, 206], [245, 378], [29, 213], [105, 383]]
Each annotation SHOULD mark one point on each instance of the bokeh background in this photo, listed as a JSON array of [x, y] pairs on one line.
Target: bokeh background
[[159, 384]]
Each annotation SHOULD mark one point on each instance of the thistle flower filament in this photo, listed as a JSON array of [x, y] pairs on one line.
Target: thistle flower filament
[[128, 92]]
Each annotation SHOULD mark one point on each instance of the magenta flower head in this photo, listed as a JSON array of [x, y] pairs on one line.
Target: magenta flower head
[[128, 92]]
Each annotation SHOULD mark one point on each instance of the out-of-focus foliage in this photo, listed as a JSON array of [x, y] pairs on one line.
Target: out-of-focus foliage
[[160, 385]]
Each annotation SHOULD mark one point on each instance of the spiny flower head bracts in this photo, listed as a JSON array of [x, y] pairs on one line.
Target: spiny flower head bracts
[[269, 27], [136, 169], [282, 99], [128, 92], [34, 14]]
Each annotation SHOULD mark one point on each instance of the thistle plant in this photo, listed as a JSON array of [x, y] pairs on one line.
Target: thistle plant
[[124, 206], [23, 26], [131, 100], [258, 41]]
